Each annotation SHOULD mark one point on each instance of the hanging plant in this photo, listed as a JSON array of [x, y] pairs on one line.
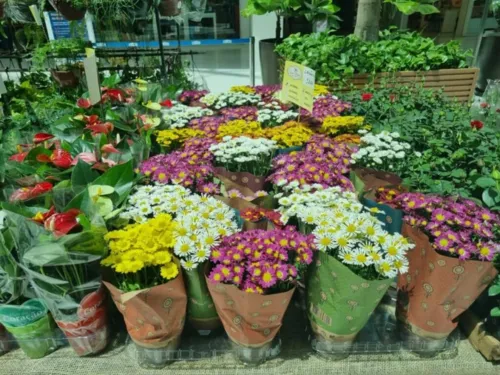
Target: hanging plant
[[72, 10], [18, 11]]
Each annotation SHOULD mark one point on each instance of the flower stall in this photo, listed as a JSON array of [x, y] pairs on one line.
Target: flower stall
[[191, 223]]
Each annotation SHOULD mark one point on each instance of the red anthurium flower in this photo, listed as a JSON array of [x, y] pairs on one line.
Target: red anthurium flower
[[116, 95], [484, 105], [100, 128], [91, 119], [63, 223], [166, 103], [110, 149], [366, 97], [42, 158], [19, 157], [27, 193], [41, 188], [84, 103], [41, 217], [392, 98], [476, 124], [42, 137], [61, 158], [87, 157]]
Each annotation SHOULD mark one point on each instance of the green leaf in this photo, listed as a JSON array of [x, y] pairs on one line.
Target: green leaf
[[491, 197], [104, 206], [82, 175], [494, 290], [459, 173], [495, 312], [485, 182]]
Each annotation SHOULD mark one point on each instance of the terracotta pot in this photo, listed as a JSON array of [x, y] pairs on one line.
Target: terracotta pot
[[65, 79], [67, 10], [437, 289], [170, 8]]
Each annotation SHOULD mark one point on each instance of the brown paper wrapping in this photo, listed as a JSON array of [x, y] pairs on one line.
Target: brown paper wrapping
[[241, 205], [250, 320], [374, 179], [437, 288], [240, 180], [479, 338], [154, 317]]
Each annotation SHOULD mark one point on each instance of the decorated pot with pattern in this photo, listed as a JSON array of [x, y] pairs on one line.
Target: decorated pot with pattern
[[339, 301], [437, 288]]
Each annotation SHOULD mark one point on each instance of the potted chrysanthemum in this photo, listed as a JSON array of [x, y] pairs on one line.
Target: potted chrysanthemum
[[148, 287], [252, 281], [450, 266], [245, 161], [200, 223], [355, 264]]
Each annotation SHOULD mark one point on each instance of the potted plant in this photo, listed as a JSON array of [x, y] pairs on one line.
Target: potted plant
[[72, 10], [148, 287], [64, 53], [355, 264], [244, 161], [449, 268], [200, 223], [315, 11], [253, 288], [340, 62], [18, 11], [114, 12], [169, 8]]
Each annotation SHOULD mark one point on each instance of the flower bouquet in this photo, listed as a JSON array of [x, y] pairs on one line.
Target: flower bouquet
[[451, 265], [229, 99], [148, 288], [252, 282], [200, 222], [243, 160], [356, 262], [272, 114]]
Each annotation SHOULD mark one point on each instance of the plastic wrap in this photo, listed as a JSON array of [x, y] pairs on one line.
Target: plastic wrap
[[239, 180], [64, 272]]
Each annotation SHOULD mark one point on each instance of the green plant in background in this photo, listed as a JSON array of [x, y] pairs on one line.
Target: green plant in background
[[452, 155], [66, 49], [494, 290], [495, 7], [336, 58], [112, 10]]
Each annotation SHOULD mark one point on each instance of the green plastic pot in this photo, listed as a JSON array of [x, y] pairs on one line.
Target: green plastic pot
[[35, 339]]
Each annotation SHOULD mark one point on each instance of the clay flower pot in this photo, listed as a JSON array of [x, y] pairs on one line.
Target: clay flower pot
[[170, 8], [67, 10], [65, 79], [435, 291]]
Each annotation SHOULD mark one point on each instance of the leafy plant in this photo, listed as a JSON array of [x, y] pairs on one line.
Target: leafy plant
[[338, 57], [410, 7], [67, 49], [494, 290], [451, 157]]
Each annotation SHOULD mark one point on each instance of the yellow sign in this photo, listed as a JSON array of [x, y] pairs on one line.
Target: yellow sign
[[90, 52], [298, 85]]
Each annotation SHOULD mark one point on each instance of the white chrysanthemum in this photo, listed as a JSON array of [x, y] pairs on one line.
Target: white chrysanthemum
[[189, 264]]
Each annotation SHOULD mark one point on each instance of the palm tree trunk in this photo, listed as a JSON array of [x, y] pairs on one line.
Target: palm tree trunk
[[368, 19]]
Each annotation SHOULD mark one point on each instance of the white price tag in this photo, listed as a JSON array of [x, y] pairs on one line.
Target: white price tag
[[91, 73]]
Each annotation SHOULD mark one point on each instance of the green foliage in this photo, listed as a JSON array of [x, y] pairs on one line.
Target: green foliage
[[336, 57], [410, 7], [452, 158], [68, 49]]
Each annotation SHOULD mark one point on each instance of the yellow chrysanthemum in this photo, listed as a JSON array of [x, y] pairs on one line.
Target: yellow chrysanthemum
[[291, 134], [169, 271], [177, 137], [243, 89], [237, 128], [336, 125]]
